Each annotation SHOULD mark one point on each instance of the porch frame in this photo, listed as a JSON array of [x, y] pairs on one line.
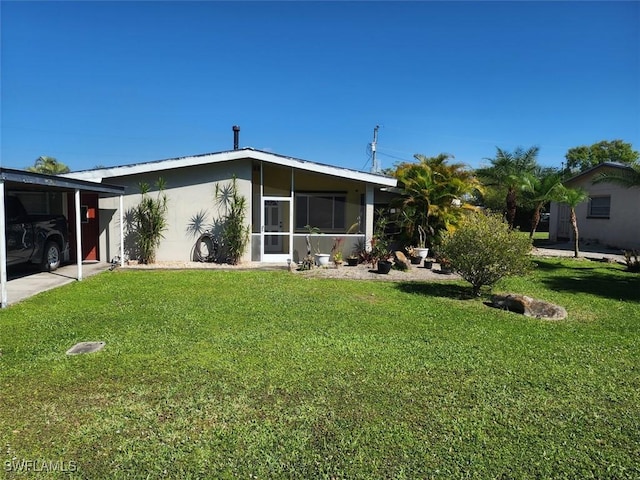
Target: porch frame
[[290, 234]]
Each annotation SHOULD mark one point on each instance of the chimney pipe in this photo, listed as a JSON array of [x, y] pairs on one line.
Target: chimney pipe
[[236, 136]]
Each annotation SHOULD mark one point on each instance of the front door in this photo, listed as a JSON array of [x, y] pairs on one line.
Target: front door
[[89, 225], [277, 230], [273, 223], [564, 222]]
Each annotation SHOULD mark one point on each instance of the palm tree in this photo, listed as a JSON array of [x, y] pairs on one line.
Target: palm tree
[[545, 188], [48, 165], [513, 171], [572, 197], [432, 190]]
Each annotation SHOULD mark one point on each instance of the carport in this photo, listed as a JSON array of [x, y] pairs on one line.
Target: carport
[[28, 181]]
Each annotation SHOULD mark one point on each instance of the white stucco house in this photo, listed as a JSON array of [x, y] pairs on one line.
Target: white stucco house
[[611, 216], [283, 194]]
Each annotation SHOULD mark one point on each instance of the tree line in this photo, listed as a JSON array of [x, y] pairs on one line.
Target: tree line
[[435, 192]]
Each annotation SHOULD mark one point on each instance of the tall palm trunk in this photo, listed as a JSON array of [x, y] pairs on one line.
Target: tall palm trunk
[[574, 225], [535, 220], [511, 206]]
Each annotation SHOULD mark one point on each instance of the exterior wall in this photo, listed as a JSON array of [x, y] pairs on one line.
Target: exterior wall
[[189, 191], [324, 244], [620, 230]]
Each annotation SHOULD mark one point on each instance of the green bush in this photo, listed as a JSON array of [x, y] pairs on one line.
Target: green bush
[[631, 259], [484, 250], [150, 217], [235, 232]]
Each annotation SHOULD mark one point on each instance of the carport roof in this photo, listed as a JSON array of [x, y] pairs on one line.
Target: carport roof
[[32, 179]]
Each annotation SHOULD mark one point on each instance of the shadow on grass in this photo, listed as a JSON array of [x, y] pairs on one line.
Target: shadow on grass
[[549, 265], [552, 265], [624, 287], [594, 278], [433, 289]]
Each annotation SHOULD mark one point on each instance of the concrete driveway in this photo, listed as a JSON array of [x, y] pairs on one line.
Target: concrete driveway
[[565, 249], [28, 281]]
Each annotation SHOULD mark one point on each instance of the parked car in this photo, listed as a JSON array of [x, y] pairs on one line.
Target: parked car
[[39, 239]]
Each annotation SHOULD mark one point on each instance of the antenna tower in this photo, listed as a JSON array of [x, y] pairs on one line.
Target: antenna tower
[[375, 168]]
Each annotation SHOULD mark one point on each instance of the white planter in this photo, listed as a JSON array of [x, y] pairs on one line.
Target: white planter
[[322, 259], [421, 252]]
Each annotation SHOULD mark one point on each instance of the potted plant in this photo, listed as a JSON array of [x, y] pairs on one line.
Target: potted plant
[[362, 252], [384, 266], [380, 254], [421, 250], [352, 260], [445, 265], [321, 259], [336, 253], [413, 257]]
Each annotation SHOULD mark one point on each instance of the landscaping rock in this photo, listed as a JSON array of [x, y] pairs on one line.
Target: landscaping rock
[[528, 306], [402, 259]]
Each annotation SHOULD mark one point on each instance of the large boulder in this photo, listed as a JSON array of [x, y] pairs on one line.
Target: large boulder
[[401, 260], [528, 306]]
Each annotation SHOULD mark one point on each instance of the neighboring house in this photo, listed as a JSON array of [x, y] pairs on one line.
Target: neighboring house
[[611, 216], [283, 196]]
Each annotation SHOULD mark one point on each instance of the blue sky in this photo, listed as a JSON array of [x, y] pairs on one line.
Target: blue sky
[[112, 83]]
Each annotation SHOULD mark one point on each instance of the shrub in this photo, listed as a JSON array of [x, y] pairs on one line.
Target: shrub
[[235, 232], [483, 250], [150, 218], [631, 259]]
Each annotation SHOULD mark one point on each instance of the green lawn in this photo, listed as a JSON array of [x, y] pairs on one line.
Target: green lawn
[[219, 374]]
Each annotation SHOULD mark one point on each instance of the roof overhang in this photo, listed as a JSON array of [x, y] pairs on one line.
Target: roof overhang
[[600, 166], [98, 175], [32, 179]]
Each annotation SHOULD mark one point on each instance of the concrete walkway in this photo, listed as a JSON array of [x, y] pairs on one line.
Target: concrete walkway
[[592, 252], [27, 282]]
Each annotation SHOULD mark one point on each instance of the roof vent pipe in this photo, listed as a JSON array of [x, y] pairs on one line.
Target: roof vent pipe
[[236, 136]]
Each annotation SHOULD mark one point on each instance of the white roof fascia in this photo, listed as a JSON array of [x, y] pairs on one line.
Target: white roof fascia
[[99, 175]]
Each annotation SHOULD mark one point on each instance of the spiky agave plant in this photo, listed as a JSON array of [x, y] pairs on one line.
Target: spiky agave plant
[[150, 219], [235, 232]]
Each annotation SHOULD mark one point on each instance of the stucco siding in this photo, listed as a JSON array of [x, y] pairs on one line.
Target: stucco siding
[[620, 230], [189, 190], [190, 186]]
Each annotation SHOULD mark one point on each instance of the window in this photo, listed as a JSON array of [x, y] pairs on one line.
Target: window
[[599, 207], [84, 214], [326, 211]]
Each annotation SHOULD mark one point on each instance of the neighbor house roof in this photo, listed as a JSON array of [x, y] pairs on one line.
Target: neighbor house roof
[[99, 174], [600, 166]]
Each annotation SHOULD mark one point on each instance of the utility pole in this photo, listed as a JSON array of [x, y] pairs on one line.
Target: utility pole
[[375, 168]]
